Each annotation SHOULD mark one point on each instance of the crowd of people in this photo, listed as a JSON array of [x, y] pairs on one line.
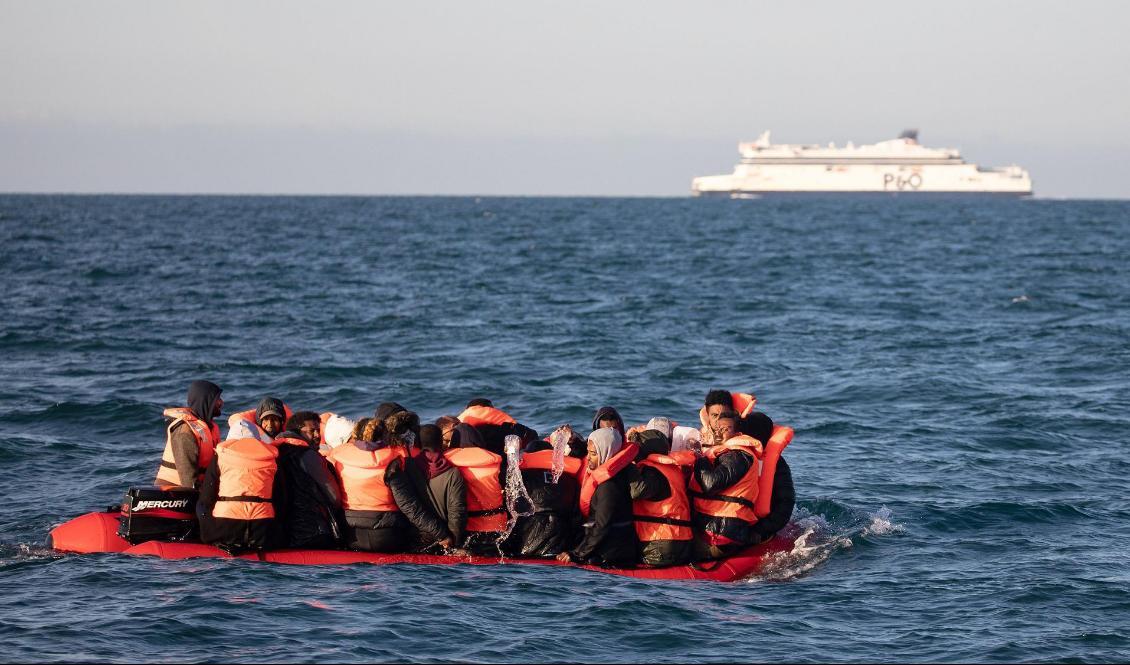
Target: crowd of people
[[656, 494]]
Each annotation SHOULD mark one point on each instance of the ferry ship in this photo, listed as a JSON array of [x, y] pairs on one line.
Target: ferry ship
[[895, 167]]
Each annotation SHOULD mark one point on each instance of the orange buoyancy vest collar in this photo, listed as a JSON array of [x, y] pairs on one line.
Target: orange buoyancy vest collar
[[362, 474], [247, 477], [603, 473], [207, 436], [742, 403], [666, 519], [480, 469], [484, 415], [543, 459], [773, 448], [248, 418], [737, 500]]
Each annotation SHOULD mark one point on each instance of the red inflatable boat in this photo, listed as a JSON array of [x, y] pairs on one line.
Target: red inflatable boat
[[98, 532]]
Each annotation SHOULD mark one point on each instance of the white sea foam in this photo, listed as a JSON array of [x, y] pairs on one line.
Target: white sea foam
[[881, 524]]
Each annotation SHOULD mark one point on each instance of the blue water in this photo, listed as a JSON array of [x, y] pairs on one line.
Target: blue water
[[958, 374]]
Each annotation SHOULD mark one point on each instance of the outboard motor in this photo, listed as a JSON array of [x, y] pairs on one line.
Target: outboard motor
[[158, 513]]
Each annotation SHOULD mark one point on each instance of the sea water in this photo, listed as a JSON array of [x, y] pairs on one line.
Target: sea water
[[958, 374]]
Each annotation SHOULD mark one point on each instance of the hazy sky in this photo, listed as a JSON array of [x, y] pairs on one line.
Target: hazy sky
[[533, 97]]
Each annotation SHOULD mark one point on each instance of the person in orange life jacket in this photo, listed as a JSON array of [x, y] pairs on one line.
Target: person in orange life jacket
[[268, 421], [381, 503], [736, 470], [783, 500], [440, 485], [609, 536], [239, 498], [191, 437], [311, 512], [484, 475], [493, 434], [548, 531], [662, 508]]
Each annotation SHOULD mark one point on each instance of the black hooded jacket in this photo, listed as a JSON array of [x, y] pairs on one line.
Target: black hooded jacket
[[201, 401], [548, 531], [609, 533], [311, 512]]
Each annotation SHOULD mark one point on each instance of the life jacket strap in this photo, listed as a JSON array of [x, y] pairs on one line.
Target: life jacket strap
[[485, 513], [249, 499], [719, 497], [662, 520]]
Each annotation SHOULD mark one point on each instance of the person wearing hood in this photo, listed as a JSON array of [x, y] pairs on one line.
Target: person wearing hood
[[660, 503], [381, 500], [191, 437], [264, 423], [609, 537], [440, 485], [783, 498], [493, 425], [546, 529], [606, 416], [311, 511]]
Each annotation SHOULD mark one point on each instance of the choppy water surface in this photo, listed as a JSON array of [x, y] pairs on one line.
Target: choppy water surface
[[957, 373]]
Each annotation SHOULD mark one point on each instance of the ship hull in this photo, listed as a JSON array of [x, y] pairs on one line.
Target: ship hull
[[740, 194]]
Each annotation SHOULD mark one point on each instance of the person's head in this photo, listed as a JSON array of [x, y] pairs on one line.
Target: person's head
[[431, 439], [447, 425], [661, 425], [271, 415], [337, 431], [358, 433], [602, 445], [372, 430], [758, 425], [480, 401], [204, 400], [607, 416], [725, 426], [716, 402], [306, 424], [402, 427], [386, 409]]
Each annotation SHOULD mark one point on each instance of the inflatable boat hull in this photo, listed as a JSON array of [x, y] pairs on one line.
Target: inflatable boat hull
[[97, 532]]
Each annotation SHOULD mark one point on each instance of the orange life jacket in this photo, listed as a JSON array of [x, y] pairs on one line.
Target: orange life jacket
[[602, 473], [742, 403], [666, 519], [247, 477], [737, 500], [207, 436], [543, 460], [249, 419], [362, 475], [484, 415], [773, 448], [480, 468]]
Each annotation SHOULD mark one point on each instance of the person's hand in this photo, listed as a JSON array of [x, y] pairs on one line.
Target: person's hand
[[563, 557], [445, 543]]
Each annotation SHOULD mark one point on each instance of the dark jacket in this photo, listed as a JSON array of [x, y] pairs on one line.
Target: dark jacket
[[728, 468], [648, 484], [549, 529], [445, 494], [609, 534], [781, 504], [237, 535], [393, 531], [312, 516]]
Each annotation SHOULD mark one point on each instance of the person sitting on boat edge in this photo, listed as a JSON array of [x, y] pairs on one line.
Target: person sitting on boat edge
[[440, 485], [380, 502], [547, 530], [723, 488], [311, 514], [660, 503], [237, 509], [783, 498], [264, 422], [609, 537], [191, 437]]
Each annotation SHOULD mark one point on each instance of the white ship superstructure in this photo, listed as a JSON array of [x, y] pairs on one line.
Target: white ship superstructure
[[897, 166]]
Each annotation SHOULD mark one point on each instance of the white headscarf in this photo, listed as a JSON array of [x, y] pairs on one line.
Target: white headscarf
[[685, 438], [661, 425], [337, 431], [607, 441]]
